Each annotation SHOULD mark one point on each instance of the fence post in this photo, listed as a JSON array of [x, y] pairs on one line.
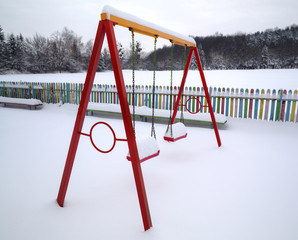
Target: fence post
[[250, 104], [256, 104], [278, 105], [283, 106], [261, 105], [223, 101], [272, 105], [227, 101], [214, 99], [246, 103], [218, 101], [232, 102], [236, 103]]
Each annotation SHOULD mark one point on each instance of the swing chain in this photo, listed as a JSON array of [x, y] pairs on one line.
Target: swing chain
[[171, 90], [133, 79], [183, 67], [153, 134]]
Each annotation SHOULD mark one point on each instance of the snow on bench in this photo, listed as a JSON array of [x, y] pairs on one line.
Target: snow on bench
[[145, 112], [20, 102]]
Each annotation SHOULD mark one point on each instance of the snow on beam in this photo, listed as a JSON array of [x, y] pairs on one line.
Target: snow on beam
[[141, 26]]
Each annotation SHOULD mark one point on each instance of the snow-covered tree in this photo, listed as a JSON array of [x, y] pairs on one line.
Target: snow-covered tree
[[265, 57], [3, 61], [38, 54], [12, 52]]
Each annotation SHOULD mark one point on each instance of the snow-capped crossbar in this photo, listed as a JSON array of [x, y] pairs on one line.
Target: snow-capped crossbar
[[143, 27]]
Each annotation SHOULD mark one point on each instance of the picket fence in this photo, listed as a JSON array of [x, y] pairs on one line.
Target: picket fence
[[275, 105]]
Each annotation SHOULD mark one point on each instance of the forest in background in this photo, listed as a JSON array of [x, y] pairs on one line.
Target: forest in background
[[65, 52]]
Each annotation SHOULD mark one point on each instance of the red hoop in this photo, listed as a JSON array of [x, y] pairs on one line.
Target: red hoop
[[199, 105], [114, 135]]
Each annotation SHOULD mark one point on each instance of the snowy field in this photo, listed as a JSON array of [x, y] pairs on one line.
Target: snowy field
[[246, 189], [279, 78]]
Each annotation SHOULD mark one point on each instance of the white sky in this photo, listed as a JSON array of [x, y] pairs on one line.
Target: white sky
[[188, 17]]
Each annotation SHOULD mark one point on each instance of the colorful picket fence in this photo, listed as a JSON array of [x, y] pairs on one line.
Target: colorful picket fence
[[270, 105]]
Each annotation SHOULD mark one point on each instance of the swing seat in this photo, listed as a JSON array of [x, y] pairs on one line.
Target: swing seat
[[147, 148], [178, 132]]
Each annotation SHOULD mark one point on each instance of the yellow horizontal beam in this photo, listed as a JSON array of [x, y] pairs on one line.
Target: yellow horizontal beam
[[146, 30]]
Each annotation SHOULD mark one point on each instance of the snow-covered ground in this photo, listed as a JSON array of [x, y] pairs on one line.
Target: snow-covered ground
[[273, 79], [246, 189]]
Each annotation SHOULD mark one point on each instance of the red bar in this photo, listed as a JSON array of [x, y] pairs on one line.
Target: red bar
[[182, 86], [128, 125], [207, 96], [81, 113]]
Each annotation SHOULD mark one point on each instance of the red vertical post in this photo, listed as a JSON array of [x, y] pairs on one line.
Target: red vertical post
[[137, 171], [81, 113], [182, 86], [207, 96]]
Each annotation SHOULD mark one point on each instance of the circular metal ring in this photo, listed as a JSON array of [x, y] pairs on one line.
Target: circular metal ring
[[114, 135], [199, 105]]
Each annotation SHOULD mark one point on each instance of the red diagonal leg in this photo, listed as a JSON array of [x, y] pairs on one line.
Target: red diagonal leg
[[81, 113], [137, 171], [207, 96]]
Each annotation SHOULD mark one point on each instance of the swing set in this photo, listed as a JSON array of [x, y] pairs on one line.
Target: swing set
[[139, 151]]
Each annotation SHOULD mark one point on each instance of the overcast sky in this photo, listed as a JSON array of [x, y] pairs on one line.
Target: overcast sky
[[189, 17]]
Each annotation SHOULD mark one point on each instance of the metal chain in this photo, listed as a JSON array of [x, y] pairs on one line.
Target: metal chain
[[171, 90], [182, 117], [153, 90], [133, 79]]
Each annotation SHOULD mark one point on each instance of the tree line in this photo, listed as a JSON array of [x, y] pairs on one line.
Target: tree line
[[65, 52]]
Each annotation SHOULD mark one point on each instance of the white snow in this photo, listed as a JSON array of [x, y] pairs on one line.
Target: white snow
[[272, 79], [32, 101], [146, 147], [176, 130], [145, 111], [112, 11], [246, 189]]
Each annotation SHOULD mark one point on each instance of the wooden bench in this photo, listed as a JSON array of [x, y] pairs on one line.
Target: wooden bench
[[30, 103], [145, 112]]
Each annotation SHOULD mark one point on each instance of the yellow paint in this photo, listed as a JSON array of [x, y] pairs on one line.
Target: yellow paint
[[261, 105], [205, 104], [293, 108], [71, 93], [138, 28], [139, 101], [232, 104], [159, 101]]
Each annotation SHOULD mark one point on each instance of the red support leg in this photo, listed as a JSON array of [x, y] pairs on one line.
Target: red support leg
[[207, 96], [137, 171], [181, 86], [81, 113]]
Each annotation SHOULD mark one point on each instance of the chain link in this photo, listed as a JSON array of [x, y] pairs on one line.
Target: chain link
[[153, 134], [133, 79]]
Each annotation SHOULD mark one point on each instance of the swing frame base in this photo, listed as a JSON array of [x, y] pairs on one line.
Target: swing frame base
[[171, 139]]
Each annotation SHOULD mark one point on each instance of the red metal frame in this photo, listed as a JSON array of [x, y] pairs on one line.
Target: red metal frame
[[195, 51], [106, 28], [114, 136], [198, 107]]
